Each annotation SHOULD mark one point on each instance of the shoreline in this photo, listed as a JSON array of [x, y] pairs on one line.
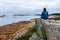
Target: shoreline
[[10, 30], [14, 23]]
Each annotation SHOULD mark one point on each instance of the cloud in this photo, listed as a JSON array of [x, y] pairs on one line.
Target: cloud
[[28, 4]]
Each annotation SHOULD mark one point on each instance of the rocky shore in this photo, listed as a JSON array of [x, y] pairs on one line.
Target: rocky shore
[[15, 30]]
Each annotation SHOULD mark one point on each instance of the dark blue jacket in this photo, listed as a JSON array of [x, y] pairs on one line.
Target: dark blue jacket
[[44, 15]]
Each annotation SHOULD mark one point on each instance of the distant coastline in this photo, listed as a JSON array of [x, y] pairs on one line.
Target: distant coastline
[[2, 16]]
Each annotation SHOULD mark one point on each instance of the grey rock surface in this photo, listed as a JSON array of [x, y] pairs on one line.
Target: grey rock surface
[[34, 37]]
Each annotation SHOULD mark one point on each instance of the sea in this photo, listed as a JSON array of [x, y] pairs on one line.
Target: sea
[[9, 19]]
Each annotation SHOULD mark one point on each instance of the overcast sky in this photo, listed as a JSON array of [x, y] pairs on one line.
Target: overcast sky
[[29, 4]]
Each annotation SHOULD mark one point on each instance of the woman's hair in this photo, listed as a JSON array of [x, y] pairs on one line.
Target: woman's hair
[[44, 9]]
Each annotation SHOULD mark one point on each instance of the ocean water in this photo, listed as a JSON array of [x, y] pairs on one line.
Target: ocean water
[[12, 19]]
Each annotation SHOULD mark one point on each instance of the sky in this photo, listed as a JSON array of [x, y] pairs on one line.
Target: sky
[[28, 6]]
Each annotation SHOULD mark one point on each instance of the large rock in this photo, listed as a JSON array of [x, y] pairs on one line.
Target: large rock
[[34, 37]]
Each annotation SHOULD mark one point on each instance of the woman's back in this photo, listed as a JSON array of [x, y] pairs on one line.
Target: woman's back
[[44, 14]]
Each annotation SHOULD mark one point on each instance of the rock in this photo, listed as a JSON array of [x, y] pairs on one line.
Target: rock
[[2, 16], [34, 37]]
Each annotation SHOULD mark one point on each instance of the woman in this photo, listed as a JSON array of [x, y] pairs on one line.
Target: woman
[[44, 14]]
